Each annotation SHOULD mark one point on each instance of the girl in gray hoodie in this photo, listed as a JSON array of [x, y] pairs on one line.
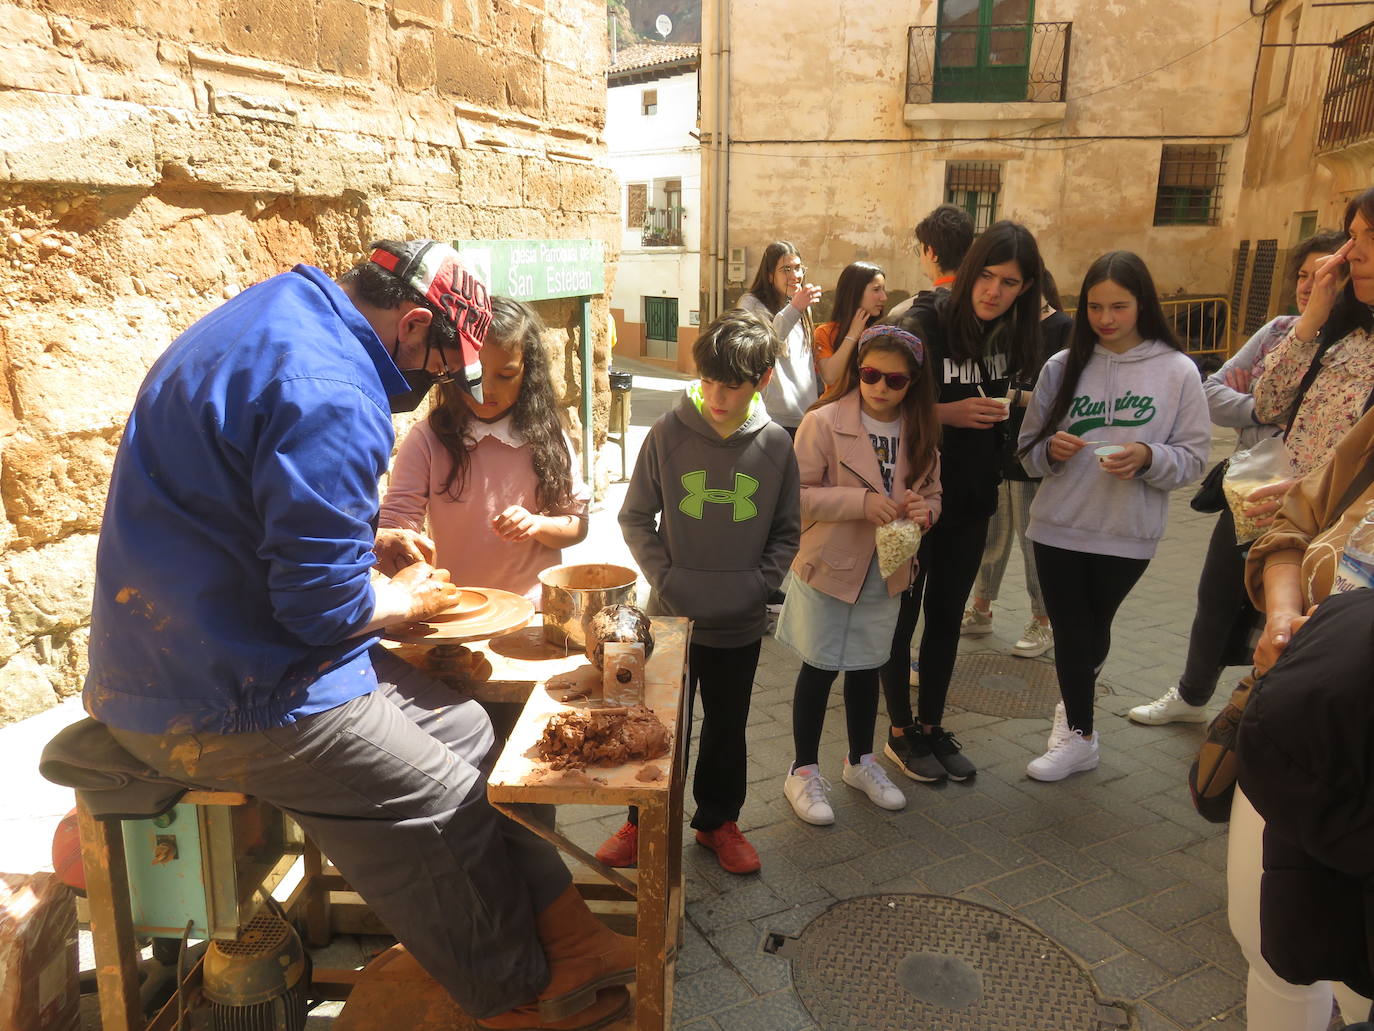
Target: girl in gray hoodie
[[1117, 421]]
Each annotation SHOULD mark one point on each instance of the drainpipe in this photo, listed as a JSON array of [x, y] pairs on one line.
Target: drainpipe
[[587, 391]]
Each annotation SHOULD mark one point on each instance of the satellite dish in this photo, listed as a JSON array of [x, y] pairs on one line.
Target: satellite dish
[[664, 25]]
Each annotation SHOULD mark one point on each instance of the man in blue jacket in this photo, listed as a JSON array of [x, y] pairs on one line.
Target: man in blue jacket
[[237, 609]]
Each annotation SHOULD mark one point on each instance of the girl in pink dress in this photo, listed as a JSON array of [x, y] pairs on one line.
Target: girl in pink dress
[[498, 480]]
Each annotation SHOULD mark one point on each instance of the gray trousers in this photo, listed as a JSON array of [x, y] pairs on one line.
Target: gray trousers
[[392, 787]]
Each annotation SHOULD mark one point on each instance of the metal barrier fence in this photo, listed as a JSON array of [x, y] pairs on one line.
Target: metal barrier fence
[[1202, 324]]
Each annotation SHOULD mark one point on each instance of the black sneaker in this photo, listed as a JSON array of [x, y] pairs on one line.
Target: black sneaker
[[947, 752], [912, 753]]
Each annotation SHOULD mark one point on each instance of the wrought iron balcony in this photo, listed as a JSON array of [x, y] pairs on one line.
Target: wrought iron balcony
[[1018, 63], [1348, 107], [663, 227]]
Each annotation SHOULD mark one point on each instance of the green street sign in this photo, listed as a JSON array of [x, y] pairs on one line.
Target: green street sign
[[537, 270]]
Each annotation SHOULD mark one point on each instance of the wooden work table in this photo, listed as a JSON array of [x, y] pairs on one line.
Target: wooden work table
[[654, 786]]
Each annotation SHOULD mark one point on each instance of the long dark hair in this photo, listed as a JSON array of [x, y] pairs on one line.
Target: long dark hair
[[920, 428], [534, 416], [849, 291], [1016, 332], [769, 295], [1127, 271]]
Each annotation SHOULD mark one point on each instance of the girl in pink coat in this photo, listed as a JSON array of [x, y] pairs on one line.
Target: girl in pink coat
[[867, 455]]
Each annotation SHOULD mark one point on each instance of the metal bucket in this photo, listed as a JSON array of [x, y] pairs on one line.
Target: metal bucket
[[572, 595]]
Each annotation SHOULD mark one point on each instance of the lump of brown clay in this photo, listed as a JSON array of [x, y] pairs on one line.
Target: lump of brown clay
[[602, 737], [623, 624]]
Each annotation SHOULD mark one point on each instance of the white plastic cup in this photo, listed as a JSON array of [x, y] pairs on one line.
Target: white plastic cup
[[1106, 451]]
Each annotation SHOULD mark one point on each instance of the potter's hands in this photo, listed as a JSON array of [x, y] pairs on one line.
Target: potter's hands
[[417, 592], [1063, 446], [396, 548]]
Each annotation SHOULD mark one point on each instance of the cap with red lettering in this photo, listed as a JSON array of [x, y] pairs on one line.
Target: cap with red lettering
[[436, 273]]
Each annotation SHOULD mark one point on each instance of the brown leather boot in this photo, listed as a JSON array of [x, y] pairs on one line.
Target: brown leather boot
[[584, 956], [606, 1007]]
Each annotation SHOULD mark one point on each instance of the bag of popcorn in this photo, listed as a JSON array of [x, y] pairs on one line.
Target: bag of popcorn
[[897, 542]]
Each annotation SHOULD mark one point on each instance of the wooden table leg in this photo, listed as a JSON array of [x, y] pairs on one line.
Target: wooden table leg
[[660, 848], [317, 930], [112, 925]]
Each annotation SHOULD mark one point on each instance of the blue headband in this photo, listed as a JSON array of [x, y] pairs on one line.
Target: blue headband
[[912, 342]]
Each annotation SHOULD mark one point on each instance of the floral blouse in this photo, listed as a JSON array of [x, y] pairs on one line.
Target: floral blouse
[[1333, 403]]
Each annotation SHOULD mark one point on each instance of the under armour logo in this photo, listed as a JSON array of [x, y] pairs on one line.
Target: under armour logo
[[694, 504]]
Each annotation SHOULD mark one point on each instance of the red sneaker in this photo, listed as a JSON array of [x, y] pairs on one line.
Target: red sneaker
[[733, 852], [622, 847]]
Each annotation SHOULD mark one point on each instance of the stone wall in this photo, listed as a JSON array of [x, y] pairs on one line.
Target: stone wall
[[156, 158]]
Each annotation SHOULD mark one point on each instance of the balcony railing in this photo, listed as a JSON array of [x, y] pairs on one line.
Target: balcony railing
[[662, 227], [1200, 323], [988, 63], [1348, 107]]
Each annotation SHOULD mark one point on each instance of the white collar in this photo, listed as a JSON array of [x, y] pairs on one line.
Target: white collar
[[502, 429]]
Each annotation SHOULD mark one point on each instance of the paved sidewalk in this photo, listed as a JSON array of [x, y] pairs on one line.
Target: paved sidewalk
[[1113, 865]]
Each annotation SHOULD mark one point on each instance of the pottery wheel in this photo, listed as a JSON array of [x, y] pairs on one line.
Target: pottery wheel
[[501, 611]]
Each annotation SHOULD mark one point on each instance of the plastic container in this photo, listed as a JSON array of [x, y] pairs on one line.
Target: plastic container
[[1107, 451], [1356, 568]]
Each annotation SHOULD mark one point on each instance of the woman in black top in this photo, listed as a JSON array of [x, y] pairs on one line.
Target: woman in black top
[[982, 335]]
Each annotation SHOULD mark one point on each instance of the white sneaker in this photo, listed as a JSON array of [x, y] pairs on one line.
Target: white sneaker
[[1060, 730], [1035, 640], [1171, 708], [805, 788], [976, 622], [872, 780], [1072, 754]]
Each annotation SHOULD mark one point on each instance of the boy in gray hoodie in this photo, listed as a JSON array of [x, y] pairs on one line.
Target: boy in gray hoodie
[[713, 517]]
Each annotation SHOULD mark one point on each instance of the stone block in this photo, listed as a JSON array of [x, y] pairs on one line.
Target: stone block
[[466, 69], [225, 154], [587, 188], [524, 81], [76, 140], [78, 371], [54, 488], [28, 59], [118, 64], [491, 180], [541, 183], [416, 60], [515, 29], [271, 30], [429, 12], [48, 589], [25, 689], [334, 164], [345, 33], [573, 98]]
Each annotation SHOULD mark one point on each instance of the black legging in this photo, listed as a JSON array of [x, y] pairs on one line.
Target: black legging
[[808, 711], [1223, 611], [1082, 592], [948, 558]]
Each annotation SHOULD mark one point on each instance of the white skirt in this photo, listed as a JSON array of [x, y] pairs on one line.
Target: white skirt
[[832, 634]]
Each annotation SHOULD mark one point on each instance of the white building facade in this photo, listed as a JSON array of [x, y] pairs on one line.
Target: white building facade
[[651, 120]]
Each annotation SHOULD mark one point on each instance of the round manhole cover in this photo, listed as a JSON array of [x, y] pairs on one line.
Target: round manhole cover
[[930, 963], [1004, 685]]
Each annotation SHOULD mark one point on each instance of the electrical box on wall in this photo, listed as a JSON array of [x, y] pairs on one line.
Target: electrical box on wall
[[734, 266]]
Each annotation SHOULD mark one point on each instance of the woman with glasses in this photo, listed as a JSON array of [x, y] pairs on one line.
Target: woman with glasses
[[779, 296], [980, 334]]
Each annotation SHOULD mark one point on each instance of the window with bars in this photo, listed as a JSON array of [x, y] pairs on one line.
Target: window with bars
[[1237, 284], [974, 186], [1190, 178], [1261, 285], [636, 201]]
